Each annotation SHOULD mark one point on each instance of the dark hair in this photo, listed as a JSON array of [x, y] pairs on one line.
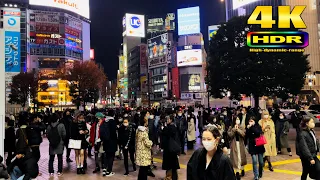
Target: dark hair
[[253, 118], [304, 122], [10, 123], [54, 118], [142, 122], [111, 112], [171, 117], [1, 159], [214, 130], [211, 118]]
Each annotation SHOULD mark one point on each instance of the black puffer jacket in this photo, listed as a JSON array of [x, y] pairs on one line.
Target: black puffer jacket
[[127, 136], [307, 148], [28, 165], [34, 133]]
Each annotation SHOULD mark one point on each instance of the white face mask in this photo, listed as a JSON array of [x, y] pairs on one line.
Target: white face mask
[[151, 116], [209, 145], [237, 121], [214, 120], [242, 112], [266, 116], [311, 125], [138, 113], [225, 113], [281, 117], [179, 114]]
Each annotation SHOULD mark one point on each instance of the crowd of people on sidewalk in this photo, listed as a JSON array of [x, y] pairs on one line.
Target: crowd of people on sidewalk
[[227, 136]]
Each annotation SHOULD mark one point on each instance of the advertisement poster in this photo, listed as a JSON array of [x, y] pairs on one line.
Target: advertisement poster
[[189, 21], [47, 28], [190, 82], [135, 25], [121, 64], [11, 19], [212, 30], [80, 7], [157, 46], [189, 57], [175, 83], [161, 24], [12, 51]]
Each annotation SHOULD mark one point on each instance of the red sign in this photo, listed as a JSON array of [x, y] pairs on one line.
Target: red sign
[[49, 41], [175, 82], [91, 54], [47, 28], [72, 31], [12, 13]]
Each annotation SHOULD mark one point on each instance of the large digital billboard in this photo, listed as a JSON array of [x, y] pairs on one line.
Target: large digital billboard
[[80, 7], [157, 46], [161, 24], [190, 82], [135, 25], [189, 21], [239, 3], [189, 57]]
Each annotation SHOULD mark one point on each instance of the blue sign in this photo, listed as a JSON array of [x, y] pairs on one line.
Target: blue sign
[[12, 21], [12, 51], [189, 21], [135, 22]]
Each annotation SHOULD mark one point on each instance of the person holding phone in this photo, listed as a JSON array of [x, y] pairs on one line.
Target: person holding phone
[[269, 132]]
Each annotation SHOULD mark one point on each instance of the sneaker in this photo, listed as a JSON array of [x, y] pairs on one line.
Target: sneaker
[[69, 160], [126, 174], [290, 154], [108, 174], [60, 174], [51, 174], [104, 172]]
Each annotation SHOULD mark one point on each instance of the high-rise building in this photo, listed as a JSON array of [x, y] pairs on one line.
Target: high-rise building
[[46, 37], [312, 20]]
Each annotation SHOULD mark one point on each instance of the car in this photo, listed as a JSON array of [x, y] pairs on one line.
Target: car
[[311, 113]]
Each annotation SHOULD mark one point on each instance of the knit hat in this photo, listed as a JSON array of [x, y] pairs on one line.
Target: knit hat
[[99, 115]]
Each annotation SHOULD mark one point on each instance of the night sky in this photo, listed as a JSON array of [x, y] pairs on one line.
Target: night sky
[[106, 23]]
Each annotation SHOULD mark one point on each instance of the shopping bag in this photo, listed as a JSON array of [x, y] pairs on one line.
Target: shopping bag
[[260, 141], [74, 144]]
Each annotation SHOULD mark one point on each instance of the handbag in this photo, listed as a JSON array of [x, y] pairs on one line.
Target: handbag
[[260, 141], [174, 147], [74, 144]]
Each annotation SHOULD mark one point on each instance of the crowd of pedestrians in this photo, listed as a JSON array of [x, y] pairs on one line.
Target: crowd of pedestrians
[[226, 135]]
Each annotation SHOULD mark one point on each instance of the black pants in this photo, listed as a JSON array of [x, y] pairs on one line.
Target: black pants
[[36, 153], [182, 141], [174, 174], [125, 158], [68, 150], [96, 156], [60, 163], [306, 168], [143, 172], [108, 161]]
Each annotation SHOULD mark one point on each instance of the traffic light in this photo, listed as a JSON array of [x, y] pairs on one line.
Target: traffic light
[[132, 92]]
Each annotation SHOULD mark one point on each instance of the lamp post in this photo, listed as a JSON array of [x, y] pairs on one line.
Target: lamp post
[[311, 78]]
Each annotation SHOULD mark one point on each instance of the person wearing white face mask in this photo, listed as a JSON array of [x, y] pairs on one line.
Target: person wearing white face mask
[[182, 126], [238, 157], [307, 148], [269, 131], [282, 130], [209, 162]]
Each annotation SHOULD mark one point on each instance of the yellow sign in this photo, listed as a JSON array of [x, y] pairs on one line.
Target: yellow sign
[[285, 17], [74, 39]]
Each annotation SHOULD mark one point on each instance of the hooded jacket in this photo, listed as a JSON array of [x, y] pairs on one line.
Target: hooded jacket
[[108, 135]]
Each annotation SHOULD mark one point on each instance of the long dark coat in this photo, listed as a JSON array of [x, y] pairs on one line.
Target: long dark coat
[[233, 147], [108, 135], [282, 130], [170, 160]]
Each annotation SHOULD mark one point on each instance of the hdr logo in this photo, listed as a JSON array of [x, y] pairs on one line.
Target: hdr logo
[[135, 22], [280, 40]]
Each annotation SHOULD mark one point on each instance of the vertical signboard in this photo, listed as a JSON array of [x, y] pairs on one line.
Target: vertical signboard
[[175, 82], [143, 68], [212, 30]]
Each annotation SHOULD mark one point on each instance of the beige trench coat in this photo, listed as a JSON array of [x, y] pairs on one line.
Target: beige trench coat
[[233, 146], [270, 135], [191, 133]]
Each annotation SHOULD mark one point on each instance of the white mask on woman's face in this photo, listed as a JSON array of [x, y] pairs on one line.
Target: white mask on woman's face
[[251, 123], [151, 116], [209, 145], [179, 114], [311, 125], [214, 120], [281, 117], [237, 121], [266, 116]]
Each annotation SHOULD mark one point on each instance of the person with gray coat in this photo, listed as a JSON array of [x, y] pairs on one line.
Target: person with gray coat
[[58, 149]]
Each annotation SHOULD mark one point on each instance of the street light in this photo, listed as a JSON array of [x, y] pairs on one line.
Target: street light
[[311, 78]]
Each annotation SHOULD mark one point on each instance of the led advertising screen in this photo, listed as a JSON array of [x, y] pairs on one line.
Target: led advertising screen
[[135, 25], [80, 7], [12, 51], [190, 57], [157, 46], [161, 24], [190, 82], [189, 21], [239, 3], [212, 31]]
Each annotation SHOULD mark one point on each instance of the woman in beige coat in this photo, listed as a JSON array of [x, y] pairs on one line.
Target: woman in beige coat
[[143, 149], [269, 131]]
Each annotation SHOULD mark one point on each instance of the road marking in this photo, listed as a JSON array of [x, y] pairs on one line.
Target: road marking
[[183, 166], [287, 172]]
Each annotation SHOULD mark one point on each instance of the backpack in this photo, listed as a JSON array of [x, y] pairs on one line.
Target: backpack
[[54, 137]]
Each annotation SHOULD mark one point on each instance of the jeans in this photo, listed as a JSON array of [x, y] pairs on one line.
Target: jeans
[[108, 161], [143, 172], [60, 163], [125, 159], [16, 174], [36, 152], [257, 158]]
